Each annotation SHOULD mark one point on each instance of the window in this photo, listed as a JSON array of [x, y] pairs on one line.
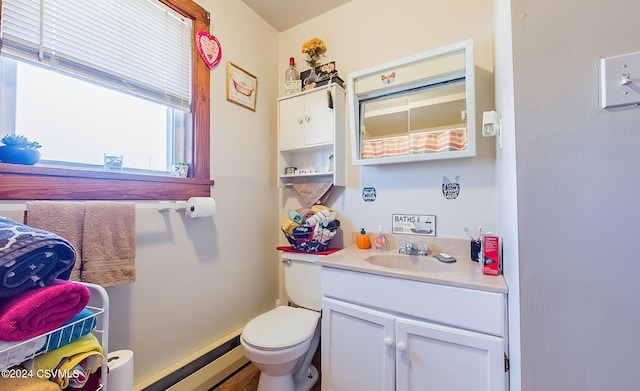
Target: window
[[154, 114], [146, 133]]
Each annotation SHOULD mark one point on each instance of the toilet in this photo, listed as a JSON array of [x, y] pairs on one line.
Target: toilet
[[283, 341]]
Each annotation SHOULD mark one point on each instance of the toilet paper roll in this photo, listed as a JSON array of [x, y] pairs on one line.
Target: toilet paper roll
[[201, 207], [120, 376]]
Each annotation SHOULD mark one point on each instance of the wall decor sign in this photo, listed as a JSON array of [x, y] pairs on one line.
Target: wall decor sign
[[242, 87], [209, 48], [413, 224], [369, 194], [450, 190]]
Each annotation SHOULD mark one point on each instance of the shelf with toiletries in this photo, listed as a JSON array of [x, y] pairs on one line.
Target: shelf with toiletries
[[82, 338], [311, 136], [290, 180]]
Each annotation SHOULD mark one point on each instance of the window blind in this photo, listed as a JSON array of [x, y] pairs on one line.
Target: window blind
[[136, 46]]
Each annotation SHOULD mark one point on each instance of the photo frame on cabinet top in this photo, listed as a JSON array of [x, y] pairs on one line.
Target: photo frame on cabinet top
[[242, 87]]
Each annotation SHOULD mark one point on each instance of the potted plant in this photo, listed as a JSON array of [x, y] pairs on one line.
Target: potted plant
[[18, 149]]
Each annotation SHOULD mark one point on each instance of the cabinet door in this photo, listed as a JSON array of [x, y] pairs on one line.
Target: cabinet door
[[357, 348], [291, 123], [319, 118], [431, 357]]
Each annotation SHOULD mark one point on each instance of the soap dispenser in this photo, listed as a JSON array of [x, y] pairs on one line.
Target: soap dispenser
[[381, 240], [362, 241]]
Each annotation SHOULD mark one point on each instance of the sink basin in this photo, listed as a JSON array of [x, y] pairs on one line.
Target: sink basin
[[405, 262]]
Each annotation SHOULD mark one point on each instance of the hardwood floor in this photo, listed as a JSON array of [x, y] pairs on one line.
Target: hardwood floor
[[246, 379]]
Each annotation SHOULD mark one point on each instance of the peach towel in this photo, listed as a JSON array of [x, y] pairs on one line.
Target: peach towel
[[63, 218], [109, 243], [313, 193], [102, 233]]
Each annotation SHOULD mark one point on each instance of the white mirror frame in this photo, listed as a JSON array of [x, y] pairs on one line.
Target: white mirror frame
[[354, 104]]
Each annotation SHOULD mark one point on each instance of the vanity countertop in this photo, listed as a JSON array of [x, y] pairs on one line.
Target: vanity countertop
[[463, 273]]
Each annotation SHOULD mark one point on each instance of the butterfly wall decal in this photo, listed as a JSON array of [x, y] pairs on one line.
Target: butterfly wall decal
[[386, 79]]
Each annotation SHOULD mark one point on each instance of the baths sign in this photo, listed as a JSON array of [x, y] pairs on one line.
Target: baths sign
[[413, 224]]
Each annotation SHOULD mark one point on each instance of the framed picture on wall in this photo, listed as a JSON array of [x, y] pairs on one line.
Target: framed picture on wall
[[242, 87]]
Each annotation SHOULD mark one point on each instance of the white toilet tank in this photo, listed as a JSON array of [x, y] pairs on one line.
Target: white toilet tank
[[303, 280]]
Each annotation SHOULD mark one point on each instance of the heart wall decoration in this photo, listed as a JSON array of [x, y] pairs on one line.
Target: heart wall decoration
[[209, 48]]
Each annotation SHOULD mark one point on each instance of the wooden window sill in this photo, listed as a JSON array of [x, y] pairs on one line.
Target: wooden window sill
[[20, 182]]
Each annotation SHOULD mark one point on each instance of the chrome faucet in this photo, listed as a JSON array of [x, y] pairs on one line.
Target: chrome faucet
[[412, 249]]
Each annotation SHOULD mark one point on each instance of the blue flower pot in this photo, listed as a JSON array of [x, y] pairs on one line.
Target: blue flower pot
[[19, 155]]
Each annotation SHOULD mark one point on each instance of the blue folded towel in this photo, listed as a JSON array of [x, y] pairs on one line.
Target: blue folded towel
[[295, 216], [78, 326], [31, 258]]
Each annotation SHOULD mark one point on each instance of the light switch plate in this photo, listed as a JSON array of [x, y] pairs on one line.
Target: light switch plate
[[620, 80]]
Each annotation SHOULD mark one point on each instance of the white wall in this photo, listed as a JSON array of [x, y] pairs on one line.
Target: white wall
[[198, 280], [575, 181], [364, 33], [578, 189], [193, 276]]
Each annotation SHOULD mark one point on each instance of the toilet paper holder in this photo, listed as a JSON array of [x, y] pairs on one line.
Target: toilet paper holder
[[182, 205], [193, 207], [166, 206]]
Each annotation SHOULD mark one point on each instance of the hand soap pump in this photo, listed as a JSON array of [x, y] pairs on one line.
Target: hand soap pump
[[381, 240]]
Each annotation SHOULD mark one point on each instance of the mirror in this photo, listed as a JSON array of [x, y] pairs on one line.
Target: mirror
[[417, 108]]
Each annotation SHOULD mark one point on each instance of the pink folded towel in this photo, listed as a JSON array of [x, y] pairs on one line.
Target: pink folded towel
[[41, 310]]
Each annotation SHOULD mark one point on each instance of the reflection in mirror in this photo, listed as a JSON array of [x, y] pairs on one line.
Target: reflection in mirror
[[424, 115], [424, 120]]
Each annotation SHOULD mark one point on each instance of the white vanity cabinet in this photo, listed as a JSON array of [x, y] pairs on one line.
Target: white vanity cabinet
[[311, 136], [385, 333]]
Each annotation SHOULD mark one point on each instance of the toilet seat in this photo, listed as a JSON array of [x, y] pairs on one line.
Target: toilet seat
[[281, 328]]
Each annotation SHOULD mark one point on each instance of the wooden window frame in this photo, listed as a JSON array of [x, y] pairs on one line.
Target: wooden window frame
[[21, 182]]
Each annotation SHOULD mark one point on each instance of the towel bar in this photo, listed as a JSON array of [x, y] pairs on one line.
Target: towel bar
[[161, 206]]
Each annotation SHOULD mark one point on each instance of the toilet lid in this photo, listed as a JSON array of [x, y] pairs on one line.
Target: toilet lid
[[280, 328]]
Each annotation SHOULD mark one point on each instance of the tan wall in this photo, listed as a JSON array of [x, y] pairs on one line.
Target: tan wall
[[198, 280], [365, 33], [194, 275]]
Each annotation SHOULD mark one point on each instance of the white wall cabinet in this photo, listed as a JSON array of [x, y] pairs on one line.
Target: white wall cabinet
[[311, 136], [417, 108], [369, 343]]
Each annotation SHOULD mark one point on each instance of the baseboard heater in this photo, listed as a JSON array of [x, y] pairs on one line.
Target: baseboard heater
[[202, 370]]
